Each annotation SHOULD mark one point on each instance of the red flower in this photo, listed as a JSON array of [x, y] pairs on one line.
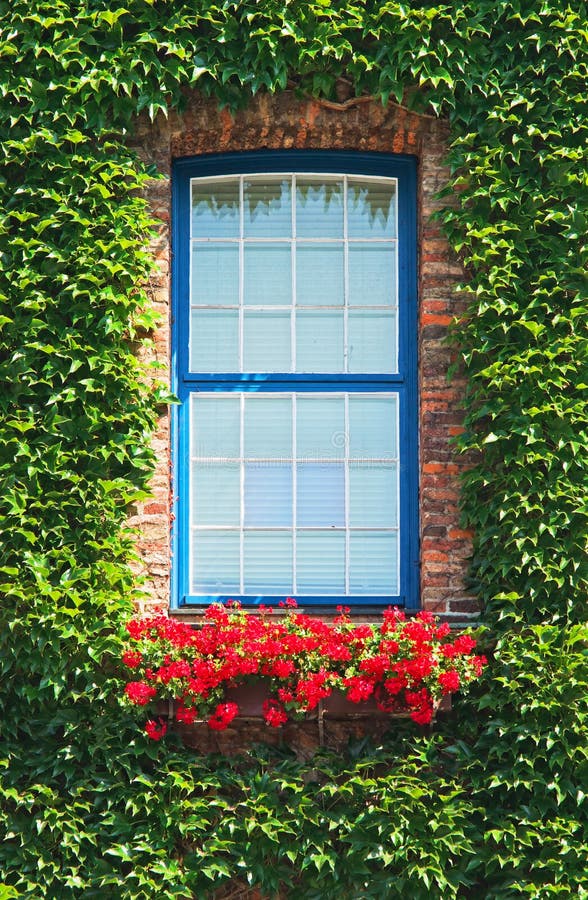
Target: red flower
[[464, 644], [186, 714], [140, 693], [422, 715], [449, 681], [132, 659], [478, 663], [274, 713], [358, 688], [155, 729], [223, 716]]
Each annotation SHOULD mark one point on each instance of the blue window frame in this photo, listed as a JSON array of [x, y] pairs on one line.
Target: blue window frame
[[294, 361]]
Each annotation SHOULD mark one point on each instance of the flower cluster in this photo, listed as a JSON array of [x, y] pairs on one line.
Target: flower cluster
[[401, 663]]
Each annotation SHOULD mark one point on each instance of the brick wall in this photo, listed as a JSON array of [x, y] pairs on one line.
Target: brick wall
[[285, 122]]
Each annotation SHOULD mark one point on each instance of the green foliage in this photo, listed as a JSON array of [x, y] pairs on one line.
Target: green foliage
[[88, 809]]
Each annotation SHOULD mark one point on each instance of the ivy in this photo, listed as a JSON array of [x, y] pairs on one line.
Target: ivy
[[88, 809]]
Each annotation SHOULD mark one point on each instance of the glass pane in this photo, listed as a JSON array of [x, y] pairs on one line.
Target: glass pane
[[215, 274], [372, 427], [319, 207], [320, 494], [268, 427], [267, 562], [214, 340], [320, 562], [372, 274], [319, 346], [373, 495], [215, 426], [267, 342], [320, 270], [215, 562], [373, 563], [215, 208], [267, 274], [267, 208], [268, 494], [216, 493], [320, 428], [372, 342], [371, 209]]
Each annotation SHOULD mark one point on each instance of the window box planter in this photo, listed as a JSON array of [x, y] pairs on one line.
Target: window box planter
[[294, 668]]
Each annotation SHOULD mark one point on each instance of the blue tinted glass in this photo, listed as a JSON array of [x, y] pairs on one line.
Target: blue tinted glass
[[320, 562], [216, 493], [267, 208], [373, 563], [372, 274], [267, 341], [320, 275], [214, 340], [320, 429], [319, 207], [215, 426], [372, 341], [215, 208], [215, 562], [371, 209], [319, 344], [373, 495], [267, 562], [268, 427], [320, 494], [372, 427], [268, 495], [215, 274], [267, 275]]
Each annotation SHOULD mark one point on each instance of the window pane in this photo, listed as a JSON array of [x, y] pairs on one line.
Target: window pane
[[320, 562], [320, 430], [215, 562], [214, 341], [267, 274], [267, 341], [267, 208], [320, 270], [319, 341], [267, 562], [373, 495], [268, 495], [215, 274], [215, 208], [320, 494], [371, 209], [319, 207], [372, 342], [373, 563], [215, 426], [216, 493], [372, 274], [268, 427], [372, 427]]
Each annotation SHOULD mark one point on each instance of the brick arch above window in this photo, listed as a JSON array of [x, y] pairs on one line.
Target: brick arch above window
[[286, 122]]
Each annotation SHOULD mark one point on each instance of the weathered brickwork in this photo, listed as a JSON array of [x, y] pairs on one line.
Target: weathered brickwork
[[285, 122]]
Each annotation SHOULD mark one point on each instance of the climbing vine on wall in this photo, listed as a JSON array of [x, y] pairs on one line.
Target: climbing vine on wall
[[498, 812]]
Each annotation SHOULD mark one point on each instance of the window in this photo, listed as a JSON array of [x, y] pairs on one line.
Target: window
[[294, 340]]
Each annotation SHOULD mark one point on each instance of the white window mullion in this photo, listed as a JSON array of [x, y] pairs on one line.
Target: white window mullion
[[242, 498], [346, 471], [294, 496], [345, 279], [294, 286], [241, 269]]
